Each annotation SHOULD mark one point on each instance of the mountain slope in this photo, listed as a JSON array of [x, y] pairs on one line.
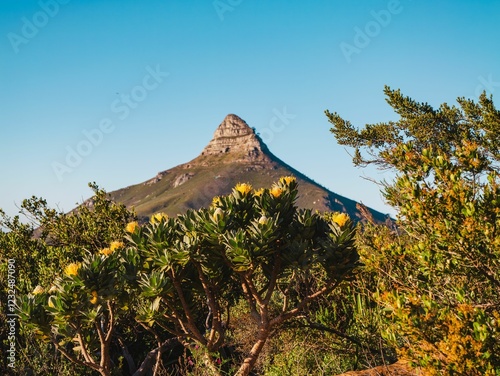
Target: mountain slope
[[235, 154]]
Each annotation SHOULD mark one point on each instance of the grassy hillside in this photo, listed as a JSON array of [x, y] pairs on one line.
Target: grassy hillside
[[194, 184]]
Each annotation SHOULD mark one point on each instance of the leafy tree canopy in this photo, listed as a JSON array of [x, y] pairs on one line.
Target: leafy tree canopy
[[440, 272]]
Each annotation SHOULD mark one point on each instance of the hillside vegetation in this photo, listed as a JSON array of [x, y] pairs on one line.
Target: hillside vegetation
[[254, 284]]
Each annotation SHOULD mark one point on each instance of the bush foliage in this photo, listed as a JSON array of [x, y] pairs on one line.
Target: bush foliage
[[440, 271], [255, 285], [178, 281]]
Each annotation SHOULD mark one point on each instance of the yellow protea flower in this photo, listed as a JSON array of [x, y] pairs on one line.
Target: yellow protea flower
[[276, 191], [216, 201], [287, 179], [38, 290], [263, 220], [72, 269], [132, 227], [243, 188], [116, 245], [106, 251], [93, 300], [340, 218], [158, 217], [259, 192]]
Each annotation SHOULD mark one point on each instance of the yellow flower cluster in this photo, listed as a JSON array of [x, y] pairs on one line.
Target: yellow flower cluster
[[112, 247], [72, 269], [243, 188], [287, 179], [158, 217], [132, 227], [340, 218], [38, 290], [116, 245], [259, 192], [93, 300], [276, 191], [106, 251], [216, 201]]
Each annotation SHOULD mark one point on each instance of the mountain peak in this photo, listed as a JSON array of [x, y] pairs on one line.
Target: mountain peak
[[235, 154], [234, 135]]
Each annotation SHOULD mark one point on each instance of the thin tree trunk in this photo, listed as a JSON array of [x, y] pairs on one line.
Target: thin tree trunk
[[252, 357], [105, 372], [209, 363], [148, 362], [126, 354]]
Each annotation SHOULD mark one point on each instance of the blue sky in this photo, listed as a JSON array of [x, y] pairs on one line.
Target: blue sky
[[115, 91]]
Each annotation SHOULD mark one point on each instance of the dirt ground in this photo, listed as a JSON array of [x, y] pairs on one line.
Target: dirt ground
[[399, 368]]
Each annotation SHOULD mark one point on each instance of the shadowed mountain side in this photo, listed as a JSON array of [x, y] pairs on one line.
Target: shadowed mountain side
[[235, 155]]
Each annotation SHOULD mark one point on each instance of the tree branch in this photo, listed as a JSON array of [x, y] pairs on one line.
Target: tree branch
[[73, 359], [111, 323], [214, 307], [146, 365], [85, 353], [126, 354], [286, 315], [272, 280], [323, 328], [189, 315]]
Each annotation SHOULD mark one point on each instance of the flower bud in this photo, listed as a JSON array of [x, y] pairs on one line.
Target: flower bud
[[218, 214], [263, 220]]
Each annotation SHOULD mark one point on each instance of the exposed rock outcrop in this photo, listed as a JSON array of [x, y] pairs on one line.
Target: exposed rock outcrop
[[157, 178], [235, 136], [181, 179]]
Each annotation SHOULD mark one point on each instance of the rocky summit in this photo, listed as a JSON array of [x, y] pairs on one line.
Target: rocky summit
[[235, 136], [236, 154]]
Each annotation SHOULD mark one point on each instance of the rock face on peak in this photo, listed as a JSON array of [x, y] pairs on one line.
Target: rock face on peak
[[235, 136], [236, 154]]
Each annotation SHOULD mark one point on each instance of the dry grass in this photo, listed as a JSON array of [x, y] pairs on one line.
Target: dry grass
[[399, 368]]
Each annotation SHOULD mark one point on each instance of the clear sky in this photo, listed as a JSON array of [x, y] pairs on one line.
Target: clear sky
[[114, 91]]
